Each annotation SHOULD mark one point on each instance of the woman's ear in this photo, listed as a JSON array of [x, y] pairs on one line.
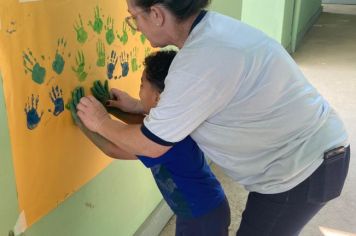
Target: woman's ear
[[158, 95], [158, 15]]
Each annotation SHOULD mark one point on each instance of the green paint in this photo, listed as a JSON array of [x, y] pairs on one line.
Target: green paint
[[8, 200], [82, 35], [58, 63], [38, 73], [101, 91], [98, 22], [80, 67], [124, 38], [143, 38], [134, 64], [100, 49], [110, 37]]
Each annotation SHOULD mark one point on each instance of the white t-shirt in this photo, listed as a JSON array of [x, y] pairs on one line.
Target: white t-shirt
[[243, 99]]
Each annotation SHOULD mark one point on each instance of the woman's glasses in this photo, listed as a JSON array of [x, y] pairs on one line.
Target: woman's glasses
[[131, 20]]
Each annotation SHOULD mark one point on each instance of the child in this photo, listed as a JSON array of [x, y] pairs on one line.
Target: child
[[182, 174]]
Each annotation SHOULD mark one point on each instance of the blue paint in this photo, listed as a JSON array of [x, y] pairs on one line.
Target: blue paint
[[57, 99], [112, 65], [32, 117], [124, 61]]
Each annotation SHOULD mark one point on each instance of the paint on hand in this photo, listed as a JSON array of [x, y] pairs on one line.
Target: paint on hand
[[124, 38], [82, 35], [112, 61], [134, 65], [58, 63], [124, 61], [80, 67], [31, 65], [109, 28], [32, 117], [100, 49], [57, 99], [98, 22]]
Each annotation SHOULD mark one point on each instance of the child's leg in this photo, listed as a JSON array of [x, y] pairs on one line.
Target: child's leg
[[215, 223]]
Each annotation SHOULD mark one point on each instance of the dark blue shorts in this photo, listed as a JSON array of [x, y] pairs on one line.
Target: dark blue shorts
[[285, 214], [214, 223]]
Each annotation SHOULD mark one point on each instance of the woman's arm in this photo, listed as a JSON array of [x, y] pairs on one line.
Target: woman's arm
[[105, 145], [128, 137]]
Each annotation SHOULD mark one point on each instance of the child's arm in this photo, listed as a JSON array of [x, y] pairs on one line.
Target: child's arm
[[129, 118]]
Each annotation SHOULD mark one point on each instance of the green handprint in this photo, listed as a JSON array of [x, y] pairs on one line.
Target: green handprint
[[110, 37], [143, 38], [101, 91], [125, 37], [100, 49], [38, 72], [58, 63], [134, 65], [98, 22], [82, 35], [80, 69], [77, 94]]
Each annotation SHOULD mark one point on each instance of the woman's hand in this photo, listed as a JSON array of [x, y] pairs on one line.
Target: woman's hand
[[124, 102], [92, 113]]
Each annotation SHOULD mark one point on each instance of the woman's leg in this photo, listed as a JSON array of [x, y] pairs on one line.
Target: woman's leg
[[285, 214]]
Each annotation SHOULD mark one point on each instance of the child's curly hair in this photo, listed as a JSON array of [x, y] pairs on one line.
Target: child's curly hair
[[157, 65]]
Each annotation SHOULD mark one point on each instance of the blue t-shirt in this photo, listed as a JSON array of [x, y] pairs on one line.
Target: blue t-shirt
[[185, 179]]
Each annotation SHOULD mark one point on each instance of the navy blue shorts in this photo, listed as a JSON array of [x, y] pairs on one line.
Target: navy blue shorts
[[285, 214], [214, 223]]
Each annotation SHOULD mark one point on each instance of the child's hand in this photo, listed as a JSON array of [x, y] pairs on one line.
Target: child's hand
[[124, 102]]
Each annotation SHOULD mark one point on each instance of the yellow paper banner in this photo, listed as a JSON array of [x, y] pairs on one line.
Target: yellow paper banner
[[47, 48]]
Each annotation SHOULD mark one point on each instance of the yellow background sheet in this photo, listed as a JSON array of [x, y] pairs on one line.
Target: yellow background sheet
[[52, 158]]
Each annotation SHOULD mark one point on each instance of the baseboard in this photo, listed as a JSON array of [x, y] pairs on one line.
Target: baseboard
[[307, 27], [156, 221]]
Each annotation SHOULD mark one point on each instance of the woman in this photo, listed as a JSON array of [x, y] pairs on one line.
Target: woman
[[243, 99]]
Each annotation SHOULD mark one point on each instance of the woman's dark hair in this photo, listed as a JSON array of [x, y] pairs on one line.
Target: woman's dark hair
[[182, 9], [156, 66]]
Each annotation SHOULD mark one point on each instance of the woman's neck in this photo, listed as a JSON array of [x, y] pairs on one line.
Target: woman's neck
[[179, 31]]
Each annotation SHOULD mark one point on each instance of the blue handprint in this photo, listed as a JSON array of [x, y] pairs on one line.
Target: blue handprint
[[32, 117], [57, 99], [124, 61], [112, 65]]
